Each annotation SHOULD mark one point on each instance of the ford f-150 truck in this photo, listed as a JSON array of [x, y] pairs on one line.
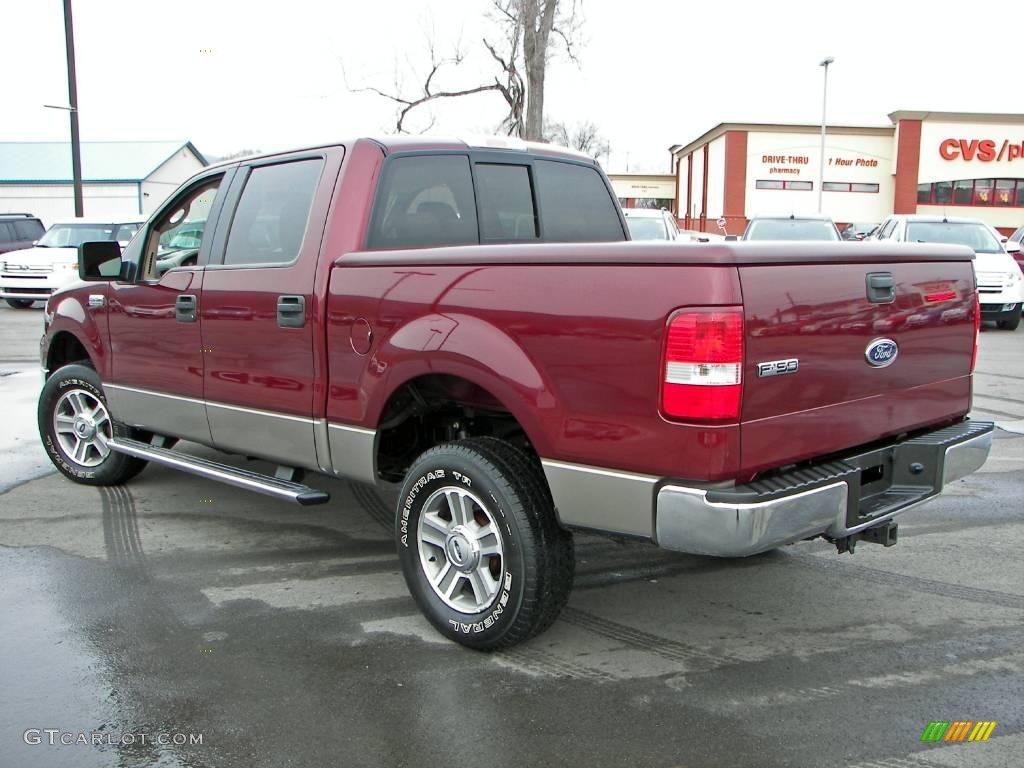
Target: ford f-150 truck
[[471, 322]]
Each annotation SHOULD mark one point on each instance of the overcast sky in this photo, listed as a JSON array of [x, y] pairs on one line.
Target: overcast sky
[[237, 75]]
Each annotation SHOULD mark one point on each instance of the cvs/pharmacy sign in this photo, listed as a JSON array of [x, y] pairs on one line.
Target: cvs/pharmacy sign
[[985, 150]]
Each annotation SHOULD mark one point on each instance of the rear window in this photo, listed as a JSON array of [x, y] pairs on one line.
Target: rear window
[[647, 228], [424, 201], [790, 229], [575, 204], [506, 202], [975, 236], [430, 200]]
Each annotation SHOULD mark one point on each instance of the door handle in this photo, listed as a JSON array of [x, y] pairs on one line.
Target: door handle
[[291, 311], [185, 308], [881, 287]]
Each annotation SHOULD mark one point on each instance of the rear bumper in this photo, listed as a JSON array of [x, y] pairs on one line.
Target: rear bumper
[[837, 499]]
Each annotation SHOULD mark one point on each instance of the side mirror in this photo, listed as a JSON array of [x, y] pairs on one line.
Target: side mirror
[[99, 261], [1012, 246]]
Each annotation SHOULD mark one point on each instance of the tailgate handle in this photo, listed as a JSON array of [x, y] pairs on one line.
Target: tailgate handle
[[881, 288]]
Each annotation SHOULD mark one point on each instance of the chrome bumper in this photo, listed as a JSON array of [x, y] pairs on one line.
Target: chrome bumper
[[700, 521]]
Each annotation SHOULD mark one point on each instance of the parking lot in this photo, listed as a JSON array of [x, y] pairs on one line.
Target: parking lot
[[283, 635]]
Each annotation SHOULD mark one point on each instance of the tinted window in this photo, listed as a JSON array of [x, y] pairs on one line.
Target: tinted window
[[505, 202], [7, 233], [575, 203], [30, 229], [270, 220], [424, 201]]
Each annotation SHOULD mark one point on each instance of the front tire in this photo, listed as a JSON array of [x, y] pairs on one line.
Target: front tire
[[20, 303], [75, 424], [480, 548]]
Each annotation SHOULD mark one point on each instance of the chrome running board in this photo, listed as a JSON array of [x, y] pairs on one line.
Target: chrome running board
[[240, 478]]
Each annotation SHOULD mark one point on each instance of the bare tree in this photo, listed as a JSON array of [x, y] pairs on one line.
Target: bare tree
[[584, 137], [526, 30]]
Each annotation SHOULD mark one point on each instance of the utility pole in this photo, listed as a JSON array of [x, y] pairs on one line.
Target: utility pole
[[76, 148], [824, 101]]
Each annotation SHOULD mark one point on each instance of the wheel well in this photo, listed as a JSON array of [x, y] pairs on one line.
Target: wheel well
[[435, 409], [65, 348]]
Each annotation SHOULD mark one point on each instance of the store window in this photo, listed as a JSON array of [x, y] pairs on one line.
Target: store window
[[1007, 193], [963, 192], [847, 186], [653, 203], [802, 186]]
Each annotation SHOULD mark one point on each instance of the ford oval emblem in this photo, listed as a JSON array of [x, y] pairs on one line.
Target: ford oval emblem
[[881, 352]]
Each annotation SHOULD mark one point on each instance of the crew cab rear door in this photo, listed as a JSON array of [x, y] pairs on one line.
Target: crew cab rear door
[[259, 313]]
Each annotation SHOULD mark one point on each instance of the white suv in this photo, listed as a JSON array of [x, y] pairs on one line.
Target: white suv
[[33, 274], [1000, 281]]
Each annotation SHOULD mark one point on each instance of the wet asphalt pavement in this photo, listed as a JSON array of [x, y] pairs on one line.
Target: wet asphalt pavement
[[177, 608]]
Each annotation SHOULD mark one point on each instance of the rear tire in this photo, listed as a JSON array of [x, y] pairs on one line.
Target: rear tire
[[74, 424], [20, 303], [1012, 323], [479, 544]]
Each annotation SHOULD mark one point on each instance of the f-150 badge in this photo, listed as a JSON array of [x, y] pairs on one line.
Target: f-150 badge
[[881, 352], [778, 367]]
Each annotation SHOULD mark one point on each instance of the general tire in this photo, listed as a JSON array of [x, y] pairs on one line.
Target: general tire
[[502, 493], [20, 303], [80, 383]]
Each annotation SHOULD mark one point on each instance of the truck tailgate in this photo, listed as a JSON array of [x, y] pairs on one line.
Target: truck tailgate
[[833, 397]]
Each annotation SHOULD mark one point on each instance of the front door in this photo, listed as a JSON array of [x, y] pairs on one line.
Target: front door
[[156, 378], [258, 310]]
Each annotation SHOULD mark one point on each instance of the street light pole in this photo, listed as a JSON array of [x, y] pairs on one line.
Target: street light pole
[[76, 149], [824, 102]]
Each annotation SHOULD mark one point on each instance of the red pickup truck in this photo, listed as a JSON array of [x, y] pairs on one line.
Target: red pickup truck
[[471, 322]]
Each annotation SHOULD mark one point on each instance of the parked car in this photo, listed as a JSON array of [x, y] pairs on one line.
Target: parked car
[[469, 321], [1013, 245], [19, 230], [792, 227], [1000, 280], [858, 231], [34, 273], [650, 224]]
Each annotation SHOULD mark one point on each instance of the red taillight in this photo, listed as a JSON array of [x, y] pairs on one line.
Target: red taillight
[[977, 329], [702, 370]]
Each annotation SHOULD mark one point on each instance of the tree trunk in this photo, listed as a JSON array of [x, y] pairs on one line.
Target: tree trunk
[[538, 20]]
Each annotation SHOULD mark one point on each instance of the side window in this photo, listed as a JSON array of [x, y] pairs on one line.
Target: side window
[[7, 232], [272, 213], [424, 201], [168, 243], [575, 204], [30, 229], [506, 202]]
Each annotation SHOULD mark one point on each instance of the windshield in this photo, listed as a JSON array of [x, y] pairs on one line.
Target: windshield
[[791, 229], [974, 236], [646, 228], [73, 235]]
